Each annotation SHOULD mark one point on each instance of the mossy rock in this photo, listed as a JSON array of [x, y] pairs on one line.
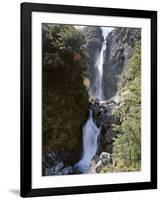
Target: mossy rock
[[65, 98]]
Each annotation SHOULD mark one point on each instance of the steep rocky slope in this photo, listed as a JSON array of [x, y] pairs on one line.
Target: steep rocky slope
[[94, 39], [120, 47]]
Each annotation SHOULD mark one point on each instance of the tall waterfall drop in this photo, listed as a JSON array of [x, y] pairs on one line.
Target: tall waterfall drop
[[99, 66], [90, 130]]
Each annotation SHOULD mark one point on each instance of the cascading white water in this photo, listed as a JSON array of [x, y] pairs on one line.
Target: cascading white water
[[90, 138], [99, 66], [90, 130]]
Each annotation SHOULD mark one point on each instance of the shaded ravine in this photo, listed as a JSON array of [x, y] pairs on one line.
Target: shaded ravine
[[90, 131]]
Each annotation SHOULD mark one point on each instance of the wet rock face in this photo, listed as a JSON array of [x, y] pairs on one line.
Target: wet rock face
[[104, 118], [120, 46], [94, 39], [93, 45], [103, 112]]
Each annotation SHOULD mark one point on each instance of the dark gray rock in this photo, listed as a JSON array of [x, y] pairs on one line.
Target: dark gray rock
[[67, 170], [59, 166], [103, 112], [105, 158], [54, 170], [104, 118], [99, 166], [120, 46], [59, 173], [94, 39], [50, 171]]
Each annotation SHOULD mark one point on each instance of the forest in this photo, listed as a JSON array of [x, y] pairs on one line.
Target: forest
[[91, 99]]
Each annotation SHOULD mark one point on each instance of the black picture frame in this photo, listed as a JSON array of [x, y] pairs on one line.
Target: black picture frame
[[26, 103]]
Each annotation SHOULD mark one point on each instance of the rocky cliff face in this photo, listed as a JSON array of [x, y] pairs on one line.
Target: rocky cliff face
[[94, 39], [120, 47]]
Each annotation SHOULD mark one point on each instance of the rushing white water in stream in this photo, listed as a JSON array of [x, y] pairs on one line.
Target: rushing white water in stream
[[90, 130]]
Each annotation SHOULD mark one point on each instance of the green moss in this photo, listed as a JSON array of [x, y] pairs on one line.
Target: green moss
[[65, 98]]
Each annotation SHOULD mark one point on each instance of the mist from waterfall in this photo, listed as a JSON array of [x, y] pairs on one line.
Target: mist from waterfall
[[90, 130]]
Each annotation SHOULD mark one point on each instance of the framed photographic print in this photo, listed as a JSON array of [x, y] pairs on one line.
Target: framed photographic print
[[88, 99]]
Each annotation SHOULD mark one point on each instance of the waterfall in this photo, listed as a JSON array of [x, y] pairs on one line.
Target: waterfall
[[90, 130], [90, 143], [99, 66]]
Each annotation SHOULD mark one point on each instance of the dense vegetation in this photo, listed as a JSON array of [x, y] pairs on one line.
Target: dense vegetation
[[65, 98], [127, 146]]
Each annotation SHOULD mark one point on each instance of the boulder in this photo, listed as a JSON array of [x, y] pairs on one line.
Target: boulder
[[49, 171], [117, 99], [59, 173], [94, 161], [59, 166], [99, 166], [105, 158], [95, 158], [67, 170]]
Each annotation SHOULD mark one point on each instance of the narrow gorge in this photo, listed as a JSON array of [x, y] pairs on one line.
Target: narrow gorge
[[98, 116], [90, 131]]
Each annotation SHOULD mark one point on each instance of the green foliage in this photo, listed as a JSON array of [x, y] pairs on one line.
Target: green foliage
[[127, 146], [126, 154], [65, 98], [60, 42]]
